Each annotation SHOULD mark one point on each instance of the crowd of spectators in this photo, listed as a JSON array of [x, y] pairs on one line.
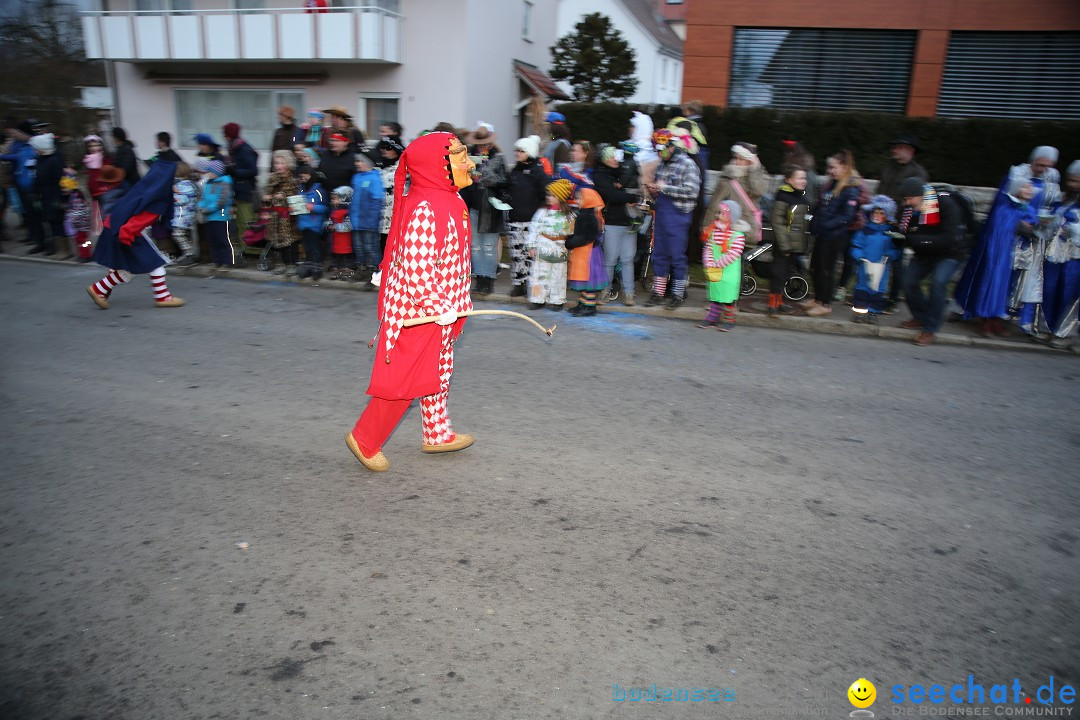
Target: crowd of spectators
[[328, 198]]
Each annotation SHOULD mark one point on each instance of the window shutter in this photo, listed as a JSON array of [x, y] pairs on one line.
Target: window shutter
[[822, 69], [1012, 75]]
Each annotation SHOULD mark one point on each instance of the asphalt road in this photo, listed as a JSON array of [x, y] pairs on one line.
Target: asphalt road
[[775, 514]]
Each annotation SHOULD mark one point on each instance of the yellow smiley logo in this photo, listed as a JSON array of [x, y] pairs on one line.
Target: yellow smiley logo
[[862, 693]]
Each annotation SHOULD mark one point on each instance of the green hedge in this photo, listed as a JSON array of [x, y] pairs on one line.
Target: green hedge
[[964, 152]]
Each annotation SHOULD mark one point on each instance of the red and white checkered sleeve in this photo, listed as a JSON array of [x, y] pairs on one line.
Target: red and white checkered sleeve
[[421, 258]]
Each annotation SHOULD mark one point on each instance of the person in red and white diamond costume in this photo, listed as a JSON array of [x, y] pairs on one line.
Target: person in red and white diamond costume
[[425, 272]]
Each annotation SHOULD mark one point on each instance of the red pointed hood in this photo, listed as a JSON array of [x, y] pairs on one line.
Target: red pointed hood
[[426, 162]]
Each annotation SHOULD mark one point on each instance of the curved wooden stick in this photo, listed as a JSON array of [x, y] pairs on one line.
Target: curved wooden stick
[[424, 320]]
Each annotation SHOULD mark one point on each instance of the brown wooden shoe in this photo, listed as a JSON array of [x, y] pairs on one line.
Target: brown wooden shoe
[[171, 302], [911, 324], [460, 442], [375, 463], [101, 302], [924, 338]]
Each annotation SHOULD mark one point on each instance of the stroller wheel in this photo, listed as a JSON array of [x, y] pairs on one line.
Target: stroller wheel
[[796, 288], [749, 285]]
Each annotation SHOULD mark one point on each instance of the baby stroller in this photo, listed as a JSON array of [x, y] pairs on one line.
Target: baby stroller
[[760, 259], [255, 237]]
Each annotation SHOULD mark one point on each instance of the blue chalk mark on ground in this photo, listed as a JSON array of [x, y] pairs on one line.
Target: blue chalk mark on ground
[[614, 323]]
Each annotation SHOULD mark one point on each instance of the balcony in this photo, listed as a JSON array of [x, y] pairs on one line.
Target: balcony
[[353, 34]]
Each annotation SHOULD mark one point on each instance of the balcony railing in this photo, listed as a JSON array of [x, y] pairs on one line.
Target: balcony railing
[[366, 34]]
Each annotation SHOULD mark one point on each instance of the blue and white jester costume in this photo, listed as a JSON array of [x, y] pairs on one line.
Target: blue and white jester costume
[[125, 246]]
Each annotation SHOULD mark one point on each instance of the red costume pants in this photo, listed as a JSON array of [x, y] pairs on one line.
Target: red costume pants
[[381, 416]]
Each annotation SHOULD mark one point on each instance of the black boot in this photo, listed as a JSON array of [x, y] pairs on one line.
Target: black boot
[[517, 291]]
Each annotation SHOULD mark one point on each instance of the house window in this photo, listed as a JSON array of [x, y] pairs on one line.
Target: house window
[[207, 111], [527, 20], [377, 109], [249, 5], [1012, 74], [812, 69]]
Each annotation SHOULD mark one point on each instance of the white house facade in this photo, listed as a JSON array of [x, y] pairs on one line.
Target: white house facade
[[190, 66], [658, 50]]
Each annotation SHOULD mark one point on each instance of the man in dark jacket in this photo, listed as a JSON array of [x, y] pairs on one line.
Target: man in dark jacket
[[337, 163], [124, 157], [49, 170], [935, 234], [164, 150], [289, 134], [614, 182], [902, 166], [243, 166]]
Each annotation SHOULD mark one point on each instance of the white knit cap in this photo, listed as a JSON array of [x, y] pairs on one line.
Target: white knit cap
[[1074, 168], [531, 145], [742, 152], [44, 144], [1045, 151]]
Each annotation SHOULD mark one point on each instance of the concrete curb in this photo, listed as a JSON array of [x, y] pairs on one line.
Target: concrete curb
[[690, 312]]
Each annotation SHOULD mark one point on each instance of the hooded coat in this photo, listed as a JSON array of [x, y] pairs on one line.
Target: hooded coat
[[425, 271], [122, 245]]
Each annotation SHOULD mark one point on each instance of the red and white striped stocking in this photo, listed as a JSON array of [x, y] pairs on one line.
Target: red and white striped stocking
[[161, 290], [105, 285]]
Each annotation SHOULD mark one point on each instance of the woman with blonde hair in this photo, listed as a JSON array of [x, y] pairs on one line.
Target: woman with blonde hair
[[281, 231], [831, 228]]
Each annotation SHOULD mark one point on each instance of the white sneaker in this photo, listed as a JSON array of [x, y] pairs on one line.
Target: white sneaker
[[376, 277]]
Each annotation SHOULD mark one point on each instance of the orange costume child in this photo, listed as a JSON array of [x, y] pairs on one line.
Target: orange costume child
[[425, 273]]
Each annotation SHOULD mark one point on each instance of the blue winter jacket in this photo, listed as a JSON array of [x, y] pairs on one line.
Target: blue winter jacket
[[871, 243], [835, 211], [216, 203], [24, 159], [367, 200], [316, 219], [244, 168]]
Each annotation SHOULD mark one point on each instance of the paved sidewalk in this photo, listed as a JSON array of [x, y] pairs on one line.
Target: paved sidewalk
[[751, 309]]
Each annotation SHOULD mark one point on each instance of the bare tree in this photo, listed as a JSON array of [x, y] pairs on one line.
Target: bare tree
[[41, 51]]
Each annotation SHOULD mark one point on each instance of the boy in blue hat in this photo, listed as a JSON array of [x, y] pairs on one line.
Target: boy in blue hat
[[874, 251]]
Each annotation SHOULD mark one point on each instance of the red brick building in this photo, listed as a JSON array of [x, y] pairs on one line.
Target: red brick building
[[951, 58]]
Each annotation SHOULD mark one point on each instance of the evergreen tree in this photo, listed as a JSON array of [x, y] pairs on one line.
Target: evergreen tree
[[596, 60]]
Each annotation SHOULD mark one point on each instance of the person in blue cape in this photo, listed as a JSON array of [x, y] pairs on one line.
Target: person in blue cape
[[983, 290], [125, 245], [1061, 284]]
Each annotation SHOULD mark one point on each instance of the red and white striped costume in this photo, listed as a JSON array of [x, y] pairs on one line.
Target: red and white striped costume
[[426, 271]]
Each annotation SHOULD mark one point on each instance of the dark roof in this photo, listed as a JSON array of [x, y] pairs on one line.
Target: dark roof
[[539, 81], [644, 12]]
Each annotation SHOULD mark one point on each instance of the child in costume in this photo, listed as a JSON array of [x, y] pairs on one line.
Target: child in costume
[[313, 128], [124, 245], [546, 244], [215, 207], [76, 216], [426, 272], [311, 223], [340, 228], [788, 215], [586, 275], [185, 203], [365, 213], [722, 258], [281, 230], [873, 250]]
